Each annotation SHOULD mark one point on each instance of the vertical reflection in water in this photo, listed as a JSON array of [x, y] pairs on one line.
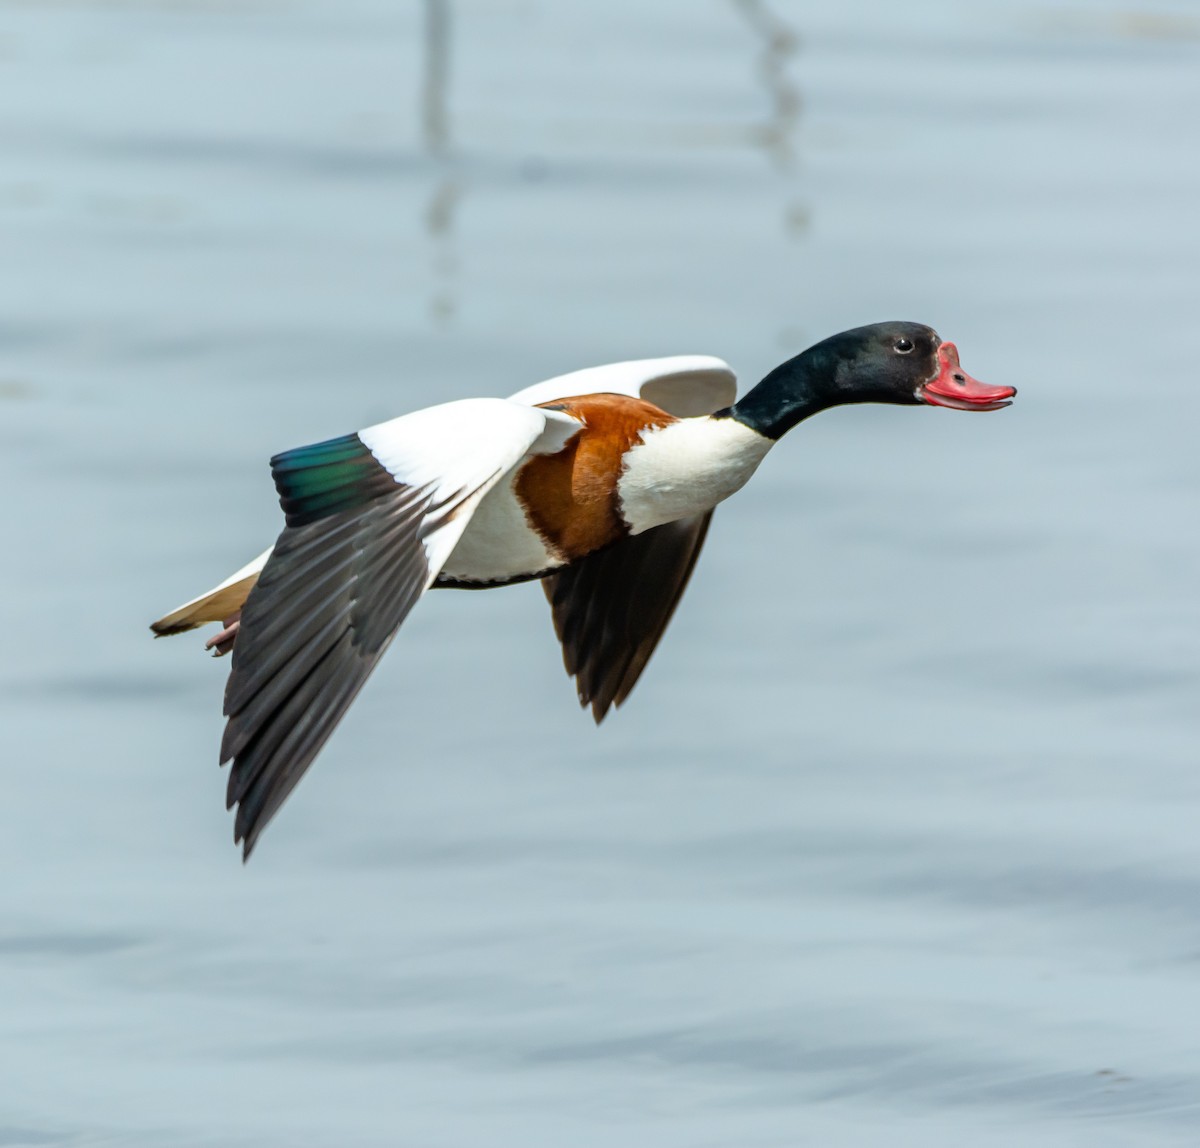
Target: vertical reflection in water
[[435, 123], [780, 44]]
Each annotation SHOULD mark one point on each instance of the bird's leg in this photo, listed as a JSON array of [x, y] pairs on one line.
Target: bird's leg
[[222, 643]]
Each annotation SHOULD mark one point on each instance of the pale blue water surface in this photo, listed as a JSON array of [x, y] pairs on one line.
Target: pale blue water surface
[[896, 843]]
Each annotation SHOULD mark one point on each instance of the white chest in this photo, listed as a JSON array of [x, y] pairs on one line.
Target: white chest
[[686, 468]]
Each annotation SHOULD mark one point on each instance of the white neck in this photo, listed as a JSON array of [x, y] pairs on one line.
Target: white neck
[[686, 468]]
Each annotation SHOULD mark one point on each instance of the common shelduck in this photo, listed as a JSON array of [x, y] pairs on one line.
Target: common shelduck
[[600, 483]]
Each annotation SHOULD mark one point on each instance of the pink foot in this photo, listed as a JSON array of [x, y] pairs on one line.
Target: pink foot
[[222, 643]]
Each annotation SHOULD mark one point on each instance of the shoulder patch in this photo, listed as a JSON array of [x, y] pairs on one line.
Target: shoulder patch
[[570, 497]]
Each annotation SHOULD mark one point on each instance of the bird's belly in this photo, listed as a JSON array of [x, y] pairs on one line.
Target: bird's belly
[[499, 545]]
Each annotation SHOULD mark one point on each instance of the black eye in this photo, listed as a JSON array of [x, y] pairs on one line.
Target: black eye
[[903, 345]]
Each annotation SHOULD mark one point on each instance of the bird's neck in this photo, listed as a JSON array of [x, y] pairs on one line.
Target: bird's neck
[[792, 392]]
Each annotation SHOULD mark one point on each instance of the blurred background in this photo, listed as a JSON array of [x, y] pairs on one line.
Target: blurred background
[[896, 841]]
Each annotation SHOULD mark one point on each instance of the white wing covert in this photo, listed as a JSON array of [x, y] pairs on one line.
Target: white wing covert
[[682, 385]]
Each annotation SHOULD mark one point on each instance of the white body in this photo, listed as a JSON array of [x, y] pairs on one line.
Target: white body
[[499, 544], [478, 445]]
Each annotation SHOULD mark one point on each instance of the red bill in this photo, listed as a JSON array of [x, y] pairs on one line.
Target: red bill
[[953, 387]]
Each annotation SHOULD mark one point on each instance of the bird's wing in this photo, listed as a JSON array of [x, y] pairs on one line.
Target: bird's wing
[[611, 608], [371, 518], [682, 385]]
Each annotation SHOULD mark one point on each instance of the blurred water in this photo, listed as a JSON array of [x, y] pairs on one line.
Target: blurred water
[[895, 844]]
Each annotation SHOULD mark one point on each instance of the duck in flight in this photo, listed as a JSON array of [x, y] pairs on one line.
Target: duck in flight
[[599, 483]]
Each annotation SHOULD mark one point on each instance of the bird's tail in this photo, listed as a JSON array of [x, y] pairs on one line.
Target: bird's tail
[[222, 604]]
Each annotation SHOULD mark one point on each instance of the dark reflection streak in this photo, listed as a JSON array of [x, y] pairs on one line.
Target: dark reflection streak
[[434, 118], [780, 45], [435, 123]]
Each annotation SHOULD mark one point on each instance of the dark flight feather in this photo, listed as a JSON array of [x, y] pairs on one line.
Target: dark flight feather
[[342, 577], [611, 608]]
